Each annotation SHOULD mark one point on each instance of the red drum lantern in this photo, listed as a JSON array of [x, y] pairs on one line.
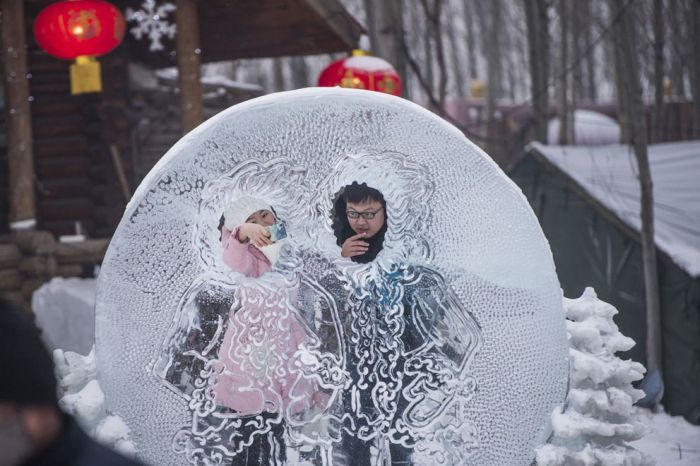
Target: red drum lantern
[[80, 30], [362, 71]]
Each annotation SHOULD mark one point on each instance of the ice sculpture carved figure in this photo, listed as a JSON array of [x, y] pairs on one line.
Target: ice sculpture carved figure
[[448, 348]]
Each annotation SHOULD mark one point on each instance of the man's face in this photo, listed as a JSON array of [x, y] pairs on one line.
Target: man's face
[[368, 226]]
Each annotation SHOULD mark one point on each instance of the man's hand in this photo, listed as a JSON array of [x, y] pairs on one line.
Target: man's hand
[[354, 246], [256, 234]]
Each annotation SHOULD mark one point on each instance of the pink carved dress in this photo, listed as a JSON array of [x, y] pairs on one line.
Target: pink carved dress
[[259, 370]]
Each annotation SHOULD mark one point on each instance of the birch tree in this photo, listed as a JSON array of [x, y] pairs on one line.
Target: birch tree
[[472, 57], [458, 70], [658, 119], [695, 73], [629, 89], [433, 13], [537, 24], [390, 34], [565, 113]]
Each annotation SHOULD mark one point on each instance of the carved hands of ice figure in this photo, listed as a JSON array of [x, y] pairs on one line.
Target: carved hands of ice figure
[[449, 443], [321, 376], [449, 337]]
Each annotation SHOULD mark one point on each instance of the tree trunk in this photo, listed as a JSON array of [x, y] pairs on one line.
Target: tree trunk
[[428, 52], [658, 20], [414, 41], [624, 37], [487, 13], [622, 111], [278, 75], [20, 158], [390, 32], [587, 28], [385, 28], [576, 49], [440, 52], [300, 72], [695, 74], [563, 81], [188, 64], [508, 77], [493, 70], [676, 46], [455, 56], [371, 23], [537, 23], [494, 49], [433, 14], [472, 58]]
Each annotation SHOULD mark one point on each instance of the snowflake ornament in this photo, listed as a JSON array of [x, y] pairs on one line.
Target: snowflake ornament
[[152, 21]]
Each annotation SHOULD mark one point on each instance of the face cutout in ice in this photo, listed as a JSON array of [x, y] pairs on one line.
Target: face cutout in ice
[[446, 346]]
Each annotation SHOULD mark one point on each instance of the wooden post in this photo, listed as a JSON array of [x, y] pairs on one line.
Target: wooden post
[[188, 64], [19, 123]]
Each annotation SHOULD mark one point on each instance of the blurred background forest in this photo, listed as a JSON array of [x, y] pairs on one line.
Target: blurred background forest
[[500, 69]]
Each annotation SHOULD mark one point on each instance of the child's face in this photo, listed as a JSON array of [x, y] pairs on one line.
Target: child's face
[[262, 217]]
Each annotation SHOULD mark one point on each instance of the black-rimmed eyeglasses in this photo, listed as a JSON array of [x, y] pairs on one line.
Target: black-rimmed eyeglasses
[[369, 215]]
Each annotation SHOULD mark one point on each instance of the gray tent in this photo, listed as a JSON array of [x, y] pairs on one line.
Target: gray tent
[[587, 201]]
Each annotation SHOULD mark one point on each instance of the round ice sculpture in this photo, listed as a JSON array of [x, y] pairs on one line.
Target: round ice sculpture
[[448, 348]]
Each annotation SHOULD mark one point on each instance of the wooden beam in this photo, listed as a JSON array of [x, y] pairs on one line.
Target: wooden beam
[[19, 125], [339, 20], [188, 64]]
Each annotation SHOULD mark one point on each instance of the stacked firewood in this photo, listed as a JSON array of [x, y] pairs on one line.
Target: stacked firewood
[[28, 259]]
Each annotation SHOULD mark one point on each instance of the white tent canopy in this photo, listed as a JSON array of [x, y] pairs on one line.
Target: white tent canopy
[[590, 129], [609, 175]]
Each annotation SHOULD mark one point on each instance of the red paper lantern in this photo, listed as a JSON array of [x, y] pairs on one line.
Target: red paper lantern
[[362, 71], [81, 30]]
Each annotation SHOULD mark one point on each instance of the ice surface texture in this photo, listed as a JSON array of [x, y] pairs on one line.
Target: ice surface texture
[[449, 348]]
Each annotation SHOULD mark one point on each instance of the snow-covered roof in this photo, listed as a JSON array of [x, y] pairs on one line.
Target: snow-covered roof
[[590, 129], [170, 74], [609, 175]]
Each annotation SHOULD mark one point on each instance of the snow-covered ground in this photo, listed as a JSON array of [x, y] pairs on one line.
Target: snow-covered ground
[[670, 440]]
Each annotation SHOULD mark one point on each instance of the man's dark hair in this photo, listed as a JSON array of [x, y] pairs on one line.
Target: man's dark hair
[[358, 193], [25, 364]]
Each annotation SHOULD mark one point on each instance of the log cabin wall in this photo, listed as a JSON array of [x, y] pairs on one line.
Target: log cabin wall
[[154, 116], [76, 178]]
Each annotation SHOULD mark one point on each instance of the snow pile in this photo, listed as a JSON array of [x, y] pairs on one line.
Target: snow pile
[[65, 311], [82, 397], [671, 440], [597, 422], [590, 129]]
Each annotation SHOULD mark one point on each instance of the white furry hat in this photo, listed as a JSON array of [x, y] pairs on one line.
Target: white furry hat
[[239, 210]]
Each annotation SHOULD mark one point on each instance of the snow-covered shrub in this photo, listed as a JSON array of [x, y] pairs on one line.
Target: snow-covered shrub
[[597, 422]]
